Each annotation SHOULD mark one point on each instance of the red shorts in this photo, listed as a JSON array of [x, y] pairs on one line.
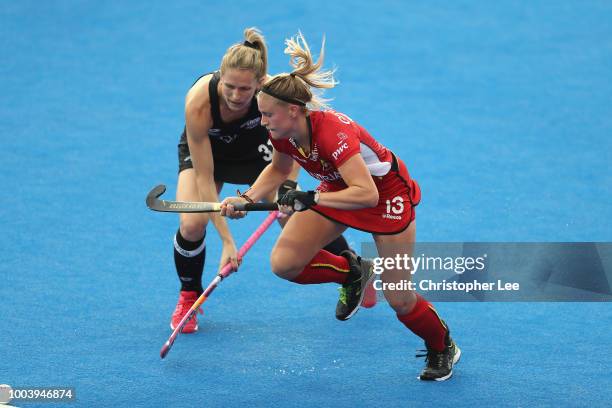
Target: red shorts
[[398, 195]]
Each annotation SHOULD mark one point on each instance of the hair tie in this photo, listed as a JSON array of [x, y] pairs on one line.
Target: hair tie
[[249, 44]]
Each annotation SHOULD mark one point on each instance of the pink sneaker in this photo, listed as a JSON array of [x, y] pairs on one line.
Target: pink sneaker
[[185, 301]]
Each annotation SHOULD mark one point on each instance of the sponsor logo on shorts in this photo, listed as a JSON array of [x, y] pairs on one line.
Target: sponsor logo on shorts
[[392, 217]]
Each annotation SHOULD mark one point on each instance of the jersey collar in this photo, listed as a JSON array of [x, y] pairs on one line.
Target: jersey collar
[[297, 145]]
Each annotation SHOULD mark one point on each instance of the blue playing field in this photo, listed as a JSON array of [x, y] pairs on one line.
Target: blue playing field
[[501, 110]]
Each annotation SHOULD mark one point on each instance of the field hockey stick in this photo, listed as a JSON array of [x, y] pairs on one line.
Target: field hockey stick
[[224, 273], [155, 204]]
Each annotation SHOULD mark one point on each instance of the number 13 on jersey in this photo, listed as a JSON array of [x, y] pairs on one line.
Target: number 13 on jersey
[[395, 205]]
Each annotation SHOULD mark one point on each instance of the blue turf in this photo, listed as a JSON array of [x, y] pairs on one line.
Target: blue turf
[[500, 109]]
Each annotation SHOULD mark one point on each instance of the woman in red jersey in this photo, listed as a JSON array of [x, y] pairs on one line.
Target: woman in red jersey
[[363, 186]]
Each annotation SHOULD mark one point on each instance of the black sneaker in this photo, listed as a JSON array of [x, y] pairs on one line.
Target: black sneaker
[[439, 364], [352, 291]]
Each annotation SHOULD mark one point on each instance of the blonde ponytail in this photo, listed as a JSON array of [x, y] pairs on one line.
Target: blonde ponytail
[[295, 87], [252, 54]]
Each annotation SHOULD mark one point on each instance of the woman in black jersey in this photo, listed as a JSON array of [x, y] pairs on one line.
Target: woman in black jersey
[[223, 141]]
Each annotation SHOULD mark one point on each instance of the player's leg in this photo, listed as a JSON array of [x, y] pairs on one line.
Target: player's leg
[[189, 250], [416, 313], [298, 257], [189, 245]]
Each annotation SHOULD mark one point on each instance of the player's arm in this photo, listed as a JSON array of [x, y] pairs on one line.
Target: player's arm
[[361, 192], [198, 121], [268, 182]]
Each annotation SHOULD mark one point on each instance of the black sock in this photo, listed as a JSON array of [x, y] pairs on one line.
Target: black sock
[[337, 246], [189, 259]]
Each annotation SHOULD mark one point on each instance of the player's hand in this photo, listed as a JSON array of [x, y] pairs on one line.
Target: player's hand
[[227, 207], [286, 186], [230, 255], [295, 200]]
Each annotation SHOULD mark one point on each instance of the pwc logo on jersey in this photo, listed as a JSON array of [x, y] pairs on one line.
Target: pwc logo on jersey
[[344, 146]]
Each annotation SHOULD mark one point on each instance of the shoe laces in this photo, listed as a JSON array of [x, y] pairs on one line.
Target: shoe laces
[[186, 305], [432, 357], [353, 286]]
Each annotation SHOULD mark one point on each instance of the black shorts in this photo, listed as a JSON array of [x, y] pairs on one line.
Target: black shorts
[[226, 171]]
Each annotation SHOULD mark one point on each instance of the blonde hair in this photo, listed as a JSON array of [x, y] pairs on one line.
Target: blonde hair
[[252, 54], [295, 87]]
